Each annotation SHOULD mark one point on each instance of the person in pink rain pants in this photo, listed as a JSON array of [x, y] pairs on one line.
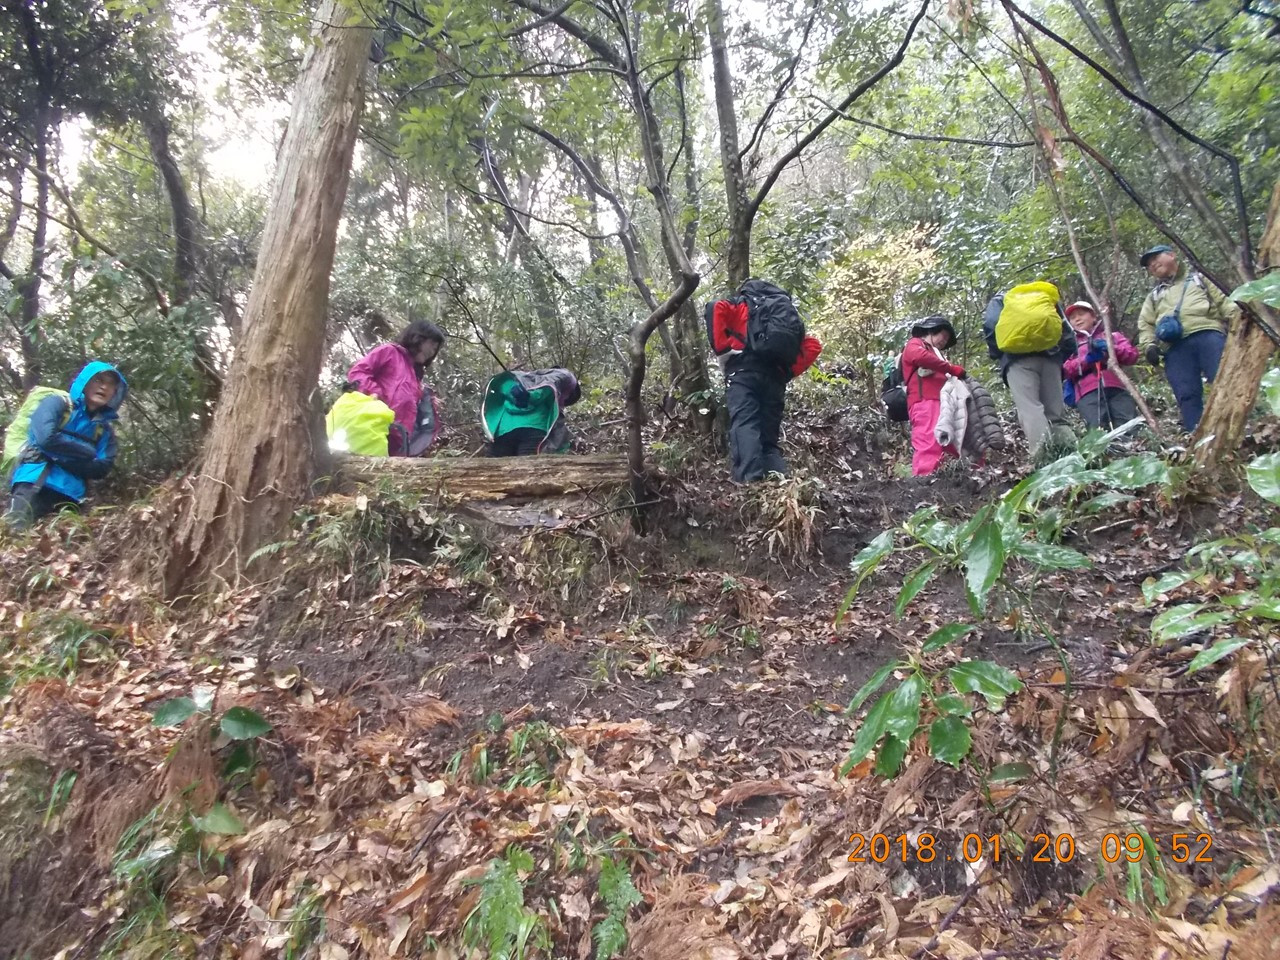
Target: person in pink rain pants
[[924, 371]]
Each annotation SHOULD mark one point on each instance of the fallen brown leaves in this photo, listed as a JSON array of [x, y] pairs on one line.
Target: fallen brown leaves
[[379, 802]]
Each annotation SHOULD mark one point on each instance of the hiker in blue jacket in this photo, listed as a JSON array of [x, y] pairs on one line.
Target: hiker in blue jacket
[[69, 441]]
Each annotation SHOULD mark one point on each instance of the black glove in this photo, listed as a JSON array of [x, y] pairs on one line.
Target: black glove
[[1153, 355], [519, 396]]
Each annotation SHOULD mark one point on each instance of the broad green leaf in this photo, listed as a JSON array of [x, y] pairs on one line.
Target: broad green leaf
[[1210, 655], [1271, 390], [1094, 444], [1131, 473], [953, 705], [1265, 289], [174, 712], [949, 740], [1018, 494], [869, 557], [1010, 773], [1154, 587], [241, 723], [219, 820], [1010, 521], [1264, 476], [890, 756], [864, 564], [903, 713], [1069, 473], [850, 595], [1047, 527], [983, 563], [991, 680], [1105, 501], [240, 760], [964, 536], [925, 526], [1050, 556], [1184, 620], [1269, 609], [871, 686], [872, 729], [916, 582], [945, 635]]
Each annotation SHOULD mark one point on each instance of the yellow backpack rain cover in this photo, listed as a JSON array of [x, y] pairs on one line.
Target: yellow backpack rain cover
[[1029, 322], [359, 423]]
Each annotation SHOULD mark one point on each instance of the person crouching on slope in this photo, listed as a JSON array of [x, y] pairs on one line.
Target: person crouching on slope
[[523, 411], [756, 381], [393, 373], [1100, 396], [69, 441], [924, 371]]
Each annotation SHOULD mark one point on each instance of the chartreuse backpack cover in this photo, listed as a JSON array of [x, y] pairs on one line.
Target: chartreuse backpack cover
[[1029, 322], [15, 435], [359, 423]]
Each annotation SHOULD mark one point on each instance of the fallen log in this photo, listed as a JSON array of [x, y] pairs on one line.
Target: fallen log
[[491, 478]]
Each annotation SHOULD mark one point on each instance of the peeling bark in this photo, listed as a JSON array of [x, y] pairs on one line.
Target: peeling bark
[[267, 437], [1244, 360]]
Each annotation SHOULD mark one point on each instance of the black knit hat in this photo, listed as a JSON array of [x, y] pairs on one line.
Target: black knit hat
[[933, 324]]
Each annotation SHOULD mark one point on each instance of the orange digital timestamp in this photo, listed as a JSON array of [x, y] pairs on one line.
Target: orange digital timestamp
[[1041, 848]]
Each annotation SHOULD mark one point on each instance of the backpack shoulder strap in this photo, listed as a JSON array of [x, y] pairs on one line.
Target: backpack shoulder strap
[[65, 416]]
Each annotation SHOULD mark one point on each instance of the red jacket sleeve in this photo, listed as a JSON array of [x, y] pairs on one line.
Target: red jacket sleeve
[[810, 347], [728, 326], [917, 354]]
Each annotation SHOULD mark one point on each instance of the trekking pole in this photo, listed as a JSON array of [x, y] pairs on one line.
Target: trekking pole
[[1097, 369]]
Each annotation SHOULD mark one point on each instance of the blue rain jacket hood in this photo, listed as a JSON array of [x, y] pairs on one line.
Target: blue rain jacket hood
[[63, 456]]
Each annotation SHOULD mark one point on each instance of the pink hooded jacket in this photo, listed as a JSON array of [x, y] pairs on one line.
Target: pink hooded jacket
[[387, 372], [1085, 375]]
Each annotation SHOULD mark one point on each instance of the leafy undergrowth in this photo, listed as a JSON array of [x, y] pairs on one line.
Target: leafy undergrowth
[[438, 733]]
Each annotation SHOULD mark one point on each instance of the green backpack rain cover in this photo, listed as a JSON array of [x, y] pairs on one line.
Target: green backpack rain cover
[[500, 415], [359, 423], [15, 435]]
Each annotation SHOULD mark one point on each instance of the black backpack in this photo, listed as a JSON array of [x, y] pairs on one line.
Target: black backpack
[[774, 328], [893, 391]]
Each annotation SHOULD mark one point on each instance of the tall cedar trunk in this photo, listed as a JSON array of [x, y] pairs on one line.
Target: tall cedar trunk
[[1244, 361], [265, 441], [738, 254]]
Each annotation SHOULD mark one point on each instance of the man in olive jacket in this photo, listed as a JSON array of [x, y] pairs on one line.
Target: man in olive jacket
[[1191, 346]]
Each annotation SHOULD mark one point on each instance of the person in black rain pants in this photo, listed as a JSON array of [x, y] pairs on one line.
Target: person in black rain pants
[[756, 377]]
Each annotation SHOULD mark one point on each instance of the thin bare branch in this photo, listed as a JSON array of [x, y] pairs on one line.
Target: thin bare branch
[[783, 86], [816, 131]]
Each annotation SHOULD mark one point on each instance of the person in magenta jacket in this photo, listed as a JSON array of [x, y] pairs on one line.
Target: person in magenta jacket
[[924, 371], [1100, 396], [393, 373]]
